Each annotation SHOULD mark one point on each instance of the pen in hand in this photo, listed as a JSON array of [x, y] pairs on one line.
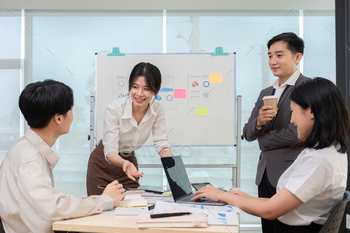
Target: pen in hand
[[164, 215]]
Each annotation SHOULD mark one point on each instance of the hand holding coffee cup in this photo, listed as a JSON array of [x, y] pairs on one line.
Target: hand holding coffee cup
[[268, 111], [270, 100]]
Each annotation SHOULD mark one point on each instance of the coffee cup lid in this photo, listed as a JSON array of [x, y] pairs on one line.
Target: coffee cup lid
[[269, 97]]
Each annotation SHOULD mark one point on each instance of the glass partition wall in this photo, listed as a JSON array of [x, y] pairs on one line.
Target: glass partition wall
[[61, 45]]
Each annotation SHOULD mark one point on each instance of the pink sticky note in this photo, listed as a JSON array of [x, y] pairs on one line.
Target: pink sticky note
[[180, 93]]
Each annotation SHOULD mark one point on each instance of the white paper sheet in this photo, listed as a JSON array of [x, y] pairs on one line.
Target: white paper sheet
[[166, 93], [121, 86], [155, 199], [199, 91]]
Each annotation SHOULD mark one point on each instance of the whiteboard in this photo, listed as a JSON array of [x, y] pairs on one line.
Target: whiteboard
[[185, 128]]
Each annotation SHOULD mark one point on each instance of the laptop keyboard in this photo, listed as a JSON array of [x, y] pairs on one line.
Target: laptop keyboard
[[201, 199]]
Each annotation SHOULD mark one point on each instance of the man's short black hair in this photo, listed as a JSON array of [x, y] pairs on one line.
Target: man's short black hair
[[40, 101], [150, 72], [331, 126], [295, 43]]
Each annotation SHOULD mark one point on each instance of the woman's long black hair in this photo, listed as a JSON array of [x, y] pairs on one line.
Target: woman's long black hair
[[331, 126]]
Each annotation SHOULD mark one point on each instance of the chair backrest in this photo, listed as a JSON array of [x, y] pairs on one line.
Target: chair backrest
[[1, 227], [334, 220]]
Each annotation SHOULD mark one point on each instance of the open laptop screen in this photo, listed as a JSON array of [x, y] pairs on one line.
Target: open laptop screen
[[177, 176]]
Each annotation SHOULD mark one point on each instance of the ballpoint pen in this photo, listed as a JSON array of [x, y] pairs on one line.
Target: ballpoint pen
[[153, 191], [164, 215]]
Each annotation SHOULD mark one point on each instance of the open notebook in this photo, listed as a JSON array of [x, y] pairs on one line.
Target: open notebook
[[132, 200]]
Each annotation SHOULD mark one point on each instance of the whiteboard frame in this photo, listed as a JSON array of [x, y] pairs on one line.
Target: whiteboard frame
[[236, 168]]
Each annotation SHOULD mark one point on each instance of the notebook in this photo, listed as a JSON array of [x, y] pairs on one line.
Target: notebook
[[132, 200], [193, 220], [180, 185], [133, 210]]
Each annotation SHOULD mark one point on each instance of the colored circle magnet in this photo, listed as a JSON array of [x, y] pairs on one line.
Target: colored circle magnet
[[169, 98], [206, 84]]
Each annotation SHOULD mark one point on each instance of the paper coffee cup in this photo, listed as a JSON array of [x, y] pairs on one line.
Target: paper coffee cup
[[270, 100]]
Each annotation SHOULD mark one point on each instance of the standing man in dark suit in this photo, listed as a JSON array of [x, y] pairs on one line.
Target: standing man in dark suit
[[275, 134]]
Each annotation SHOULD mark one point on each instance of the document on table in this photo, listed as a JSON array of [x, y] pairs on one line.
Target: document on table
[[130, 210], [133, 210], [155, 199], [216, 215]]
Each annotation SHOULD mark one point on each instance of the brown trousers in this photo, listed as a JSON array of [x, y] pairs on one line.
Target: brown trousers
[[100, 172]]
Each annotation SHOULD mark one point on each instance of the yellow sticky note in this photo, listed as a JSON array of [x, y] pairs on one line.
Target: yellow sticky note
[[201, 111], [215, 78]]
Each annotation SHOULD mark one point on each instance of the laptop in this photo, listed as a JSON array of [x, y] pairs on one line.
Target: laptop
[[180, 185]]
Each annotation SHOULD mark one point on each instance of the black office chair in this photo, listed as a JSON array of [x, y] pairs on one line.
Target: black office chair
[[334, 220], [1, 227]]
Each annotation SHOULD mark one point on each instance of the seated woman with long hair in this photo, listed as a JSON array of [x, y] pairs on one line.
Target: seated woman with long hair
[[312, 186]]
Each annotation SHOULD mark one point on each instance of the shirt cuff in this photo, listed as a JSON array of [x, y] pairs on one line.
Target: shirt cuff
[[159, 148], [106, 151], [108, 200]]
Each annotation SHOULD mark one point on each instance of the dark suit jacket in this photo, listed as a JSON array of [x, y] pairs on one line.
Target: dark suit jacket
[[277, 153]]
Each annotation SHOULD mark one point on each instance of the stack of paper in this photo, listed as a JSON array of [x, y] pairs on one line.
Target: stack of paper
[[192, 220], [132, 200]]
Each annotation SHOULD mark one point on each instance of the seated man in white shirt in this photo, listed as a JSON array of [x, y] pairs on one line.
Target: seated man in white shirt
[[29, 202]]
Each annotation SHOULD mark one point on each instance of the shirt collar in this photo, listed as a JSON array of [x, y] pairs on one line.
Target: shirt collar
[[150, 111], [291, 81], [128, 109], [44, 149]]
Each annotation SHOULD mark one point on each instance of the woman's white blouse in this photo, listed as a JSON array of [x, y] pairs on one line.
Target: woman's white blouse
[[317, 178], [121, 134]]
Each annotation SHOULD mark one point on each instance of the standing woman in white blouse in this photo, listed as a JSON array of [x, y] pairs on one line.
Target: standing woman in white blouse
[[128, 123], [313, 185]]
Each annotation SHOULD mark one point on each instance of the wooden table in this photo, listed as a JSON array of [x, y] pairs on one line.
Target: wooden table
[[107, 222]]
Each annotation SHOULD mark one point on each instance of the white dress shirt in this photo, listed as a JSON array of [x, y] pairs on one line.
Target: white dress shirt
[[318, 179], [280, 88], [29, 202], [121, 134]]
